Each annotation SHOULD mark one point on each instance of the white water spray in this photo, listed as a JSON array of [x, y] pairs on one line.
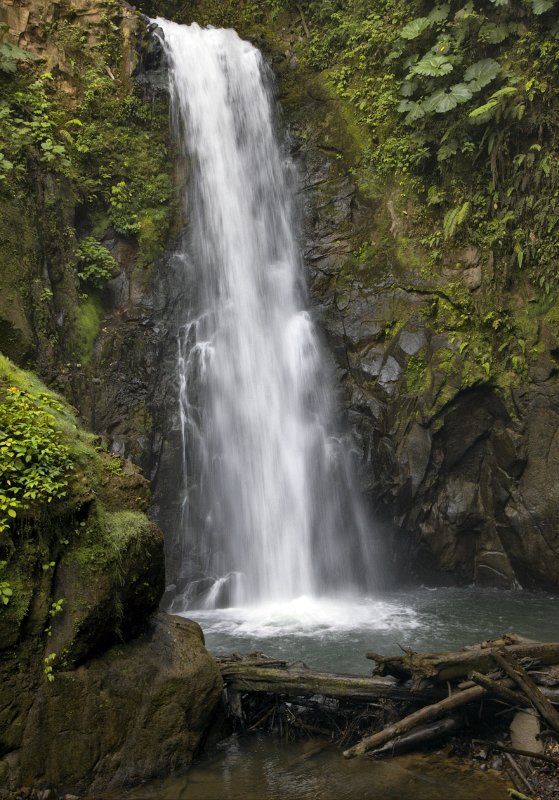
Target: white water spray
[[270, 512]]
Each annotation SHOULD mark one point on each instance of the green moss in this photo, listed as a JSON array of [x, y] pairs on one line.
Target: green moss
[[417, 376], [87, 324], [75, 524], [86, 149]]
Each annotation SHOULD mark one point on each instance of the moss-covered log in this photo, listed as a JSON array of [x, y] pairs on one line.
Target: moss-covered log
[[273, 677]]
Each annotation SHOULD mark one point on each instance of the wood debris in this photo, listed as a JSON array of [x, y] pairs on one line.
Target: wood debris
[[411, 700]]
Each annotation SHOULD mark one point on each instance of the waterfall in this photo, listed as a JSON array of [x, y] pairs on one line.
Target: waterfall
[[270, 507]]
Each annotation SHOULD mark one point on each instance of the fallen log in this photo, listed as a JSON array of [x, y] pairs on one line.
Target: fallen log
[[443, 667], [247, 677], [512, 668], [423, 734], [423, 715]]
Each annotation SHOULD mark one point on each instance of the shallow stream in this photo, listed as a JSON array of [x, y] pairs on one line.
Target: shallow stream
[[260, 767]]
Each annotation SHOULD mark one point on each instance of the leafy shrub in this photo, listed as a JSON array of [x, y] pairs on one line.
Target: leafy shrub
[[122, 215], [6, 592], [96, 266], [35, 464]]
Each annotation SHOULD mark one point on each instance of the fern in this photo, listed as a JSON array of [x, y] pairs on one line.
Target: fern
[[541, 6], [454, 218], [484, 112]]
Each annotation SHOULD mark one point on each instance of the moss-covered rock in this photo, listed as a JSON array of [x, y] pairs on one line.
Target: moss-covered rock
[[84, 540], [135, 713], [53, 524], [89, 152]]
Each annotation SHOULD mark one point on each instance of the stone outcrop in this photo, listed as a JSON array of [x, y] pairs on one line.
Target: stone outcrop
[[97, 689], [138, 711]]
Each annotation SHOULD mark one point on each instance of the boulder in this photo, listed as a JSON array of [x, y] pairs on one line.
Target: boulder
[[137, 712]]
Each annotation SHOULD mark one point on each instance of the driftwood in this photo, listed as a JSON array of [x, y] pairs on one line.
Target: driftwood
[[524, 782], [516, 752], [426, 690], [425, 714], [299, 681], [441, 667], [423, 734], [500, 689], [513, 669]]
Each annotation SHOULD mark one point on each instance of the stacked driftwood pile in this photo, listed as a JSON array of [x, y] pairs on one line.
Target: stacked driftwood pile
[[410, 700]]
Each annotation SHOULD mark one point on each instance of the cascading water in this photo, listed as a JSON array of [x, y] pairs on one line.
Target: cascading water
[[270, 512]]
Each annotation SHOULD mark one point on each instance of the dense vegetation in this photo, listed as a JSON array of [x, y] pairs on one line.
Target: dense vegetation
[[474, 88], [83, 158], [83, 171]]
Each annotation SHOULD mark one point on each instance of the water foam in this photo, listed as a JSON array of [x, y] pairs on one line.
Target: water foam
[[307, 616]]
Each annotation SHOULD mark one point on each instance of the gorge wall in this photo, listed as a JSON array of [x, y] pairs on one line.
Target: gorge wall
[[96, 688], [446, 353], [443, 328]]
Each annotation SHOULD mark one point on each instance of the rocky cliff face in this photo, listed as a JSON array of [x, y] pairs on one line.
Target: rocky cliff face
[[458, 451], [461, 464]]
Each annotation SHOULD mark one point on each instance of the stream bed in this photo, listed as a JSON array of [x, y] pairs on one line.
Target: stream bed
[[263, 767]]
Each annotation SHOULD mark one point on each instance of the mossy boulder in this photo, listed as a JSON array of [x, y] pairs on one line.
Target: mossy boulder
[[135, 713], [110, 580], [95, 691], [83, 541]]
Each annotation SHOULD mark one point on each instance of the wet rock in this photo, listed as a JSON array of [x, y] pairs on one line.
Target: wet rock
[[463, 476], [411, 342], [525, 731], [136, 712]]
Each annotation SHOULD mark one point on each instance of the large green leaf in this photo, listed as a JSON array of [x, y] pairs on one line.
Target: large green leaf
[[541, 6], [412, 110], [433, 66], [460, 92], [493, 32], [10, 55], [444, 101], [481, 73], [415, 28], [408, 88], [439, 13]]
